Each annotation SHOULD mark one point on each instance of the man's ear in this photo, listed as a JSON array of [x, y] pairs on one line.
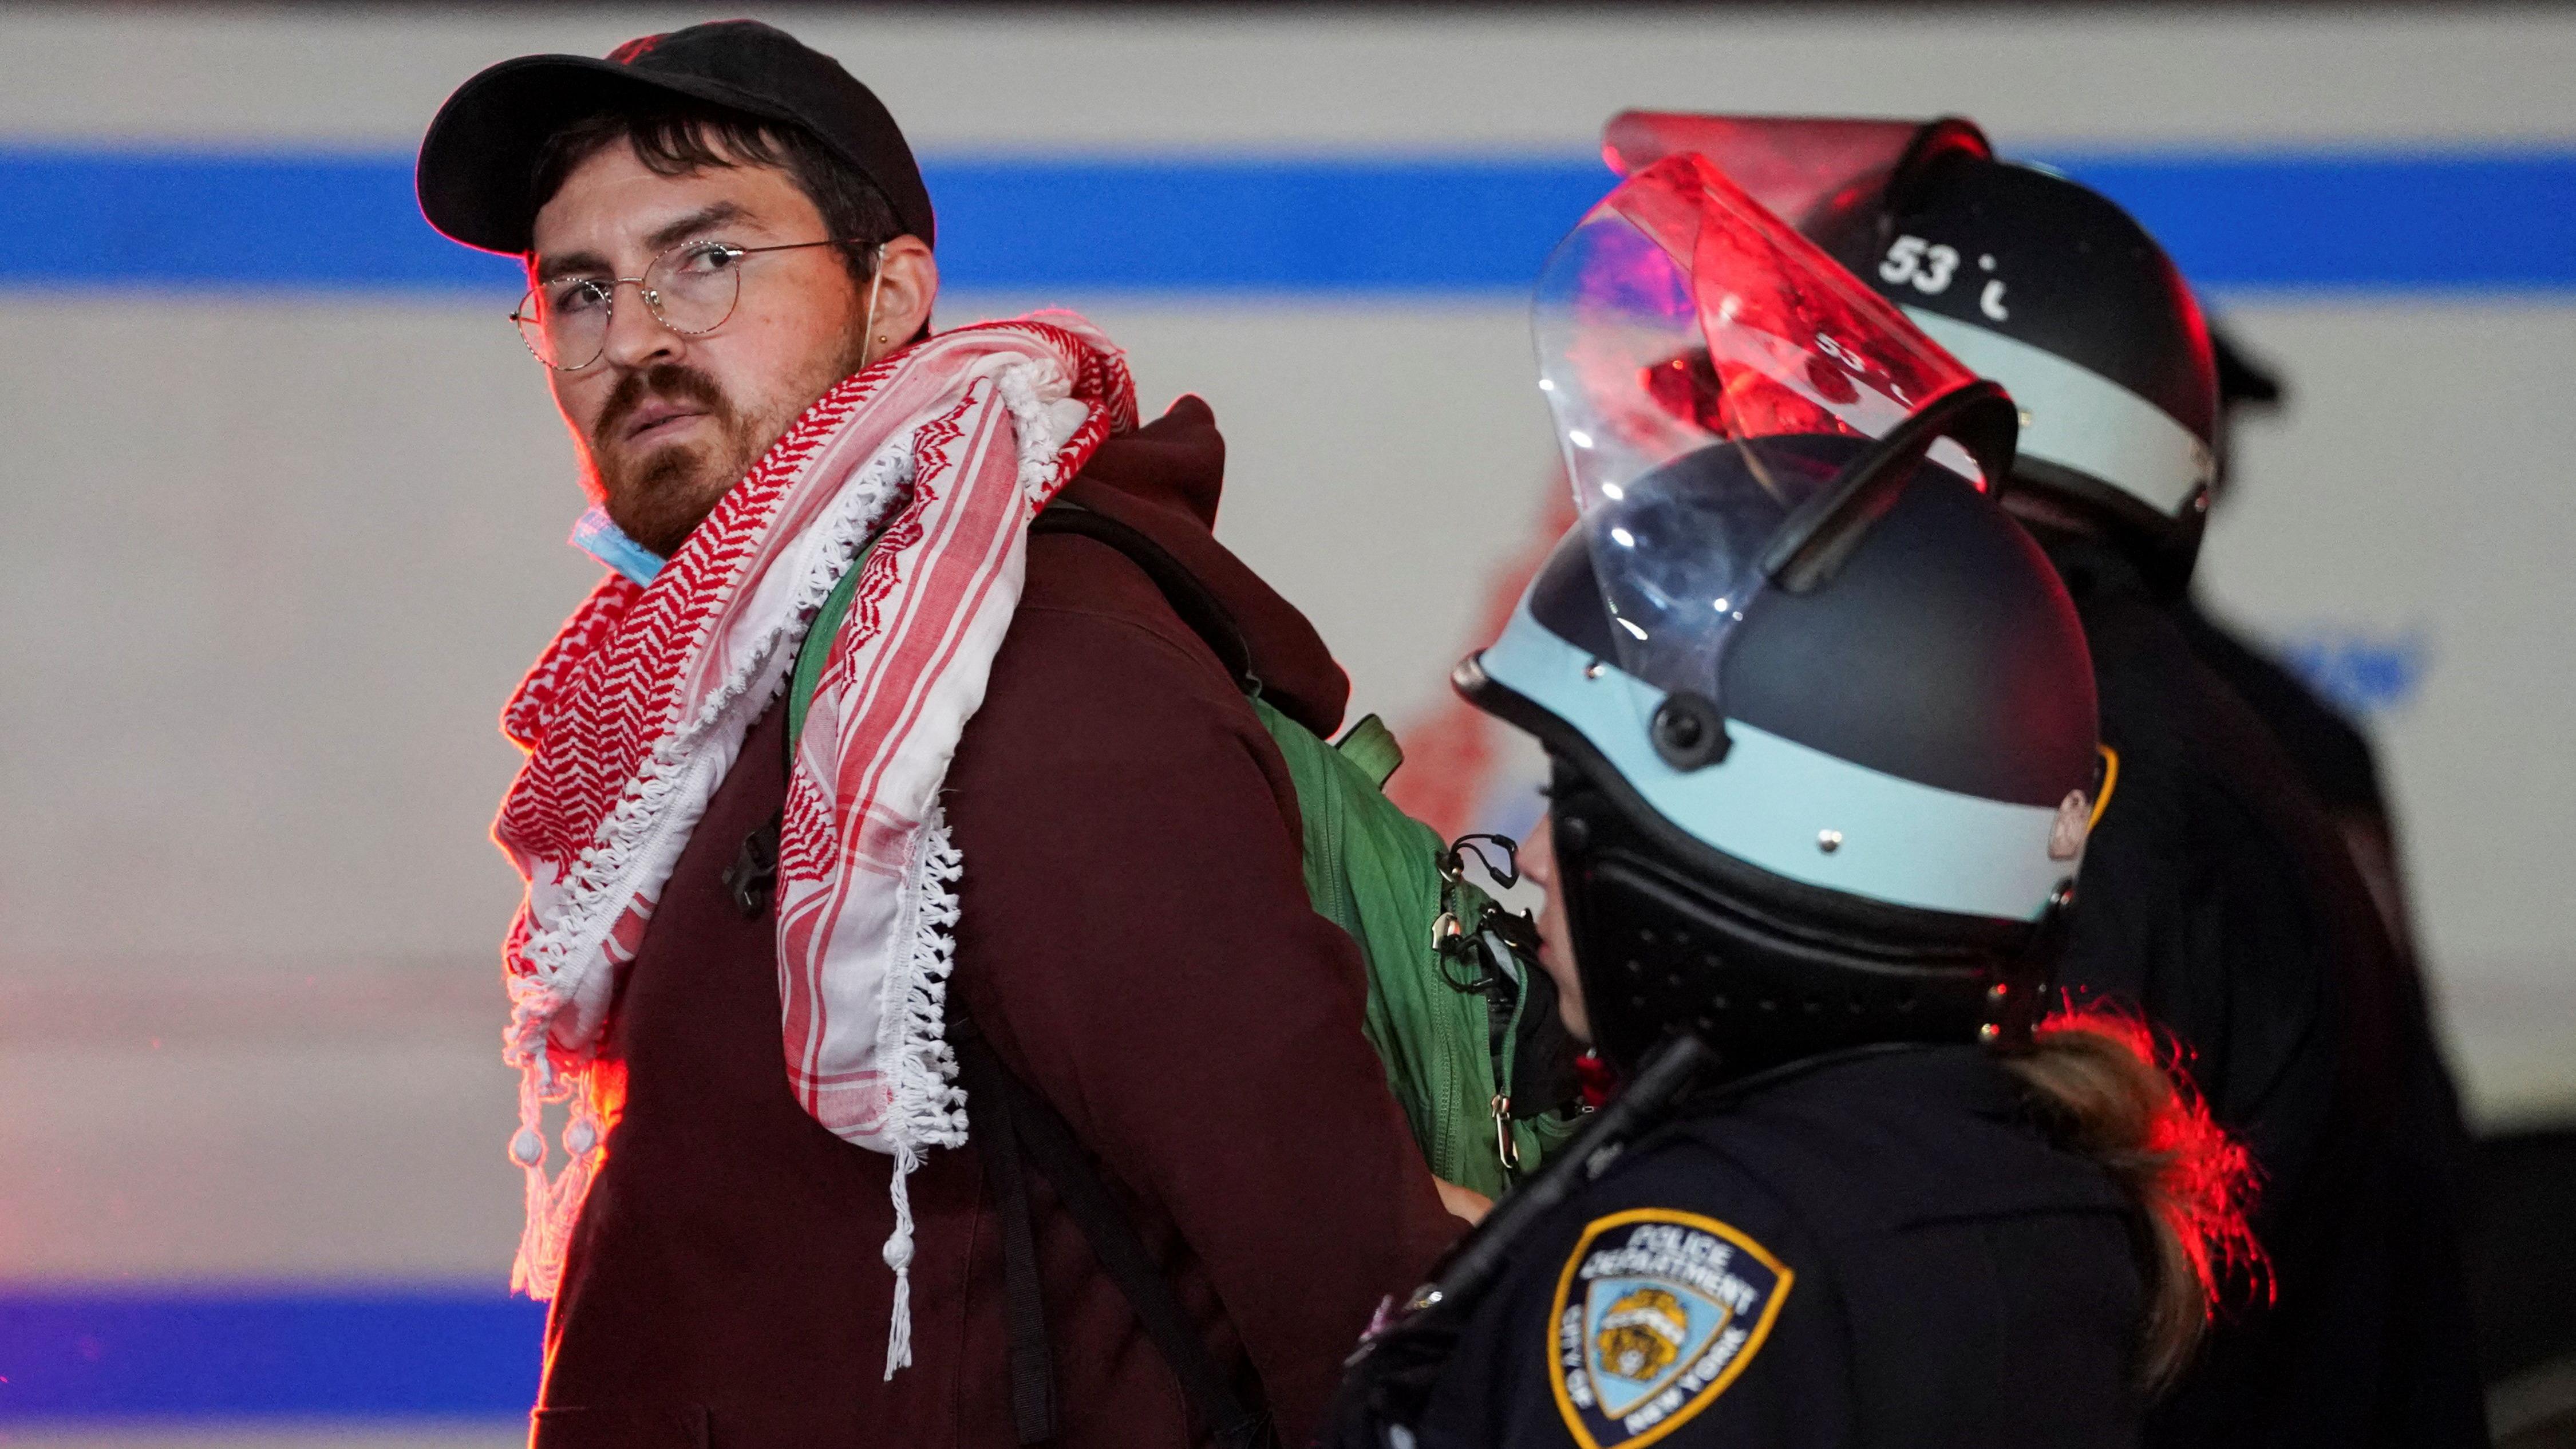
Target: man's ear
[[907, 284]]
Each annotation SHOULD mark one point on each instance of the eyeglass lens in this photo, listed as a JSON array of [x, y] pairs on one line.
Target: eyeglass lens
[[691, 289]]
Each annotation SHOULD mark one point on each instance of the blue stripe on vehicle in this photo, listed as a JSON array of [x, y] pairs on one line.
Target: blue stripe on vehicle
[[393, 1353], [285, 221]]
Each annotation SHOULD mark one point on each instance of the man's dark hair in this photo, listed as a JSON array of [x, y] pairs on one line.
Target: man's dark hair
[[687, 137]]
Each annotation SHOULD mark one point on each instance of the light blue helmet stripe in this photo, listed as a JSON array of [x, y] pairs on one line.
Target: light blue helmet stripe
[[2076, 418], [1772, 803]]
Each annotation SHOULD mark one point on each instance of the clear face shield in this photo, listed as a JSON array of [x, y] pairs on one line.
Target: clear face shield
[[1735, 410]]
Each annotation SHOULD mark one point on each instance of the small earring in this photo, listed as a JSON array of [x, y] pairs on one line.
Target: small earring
[[881, 337]]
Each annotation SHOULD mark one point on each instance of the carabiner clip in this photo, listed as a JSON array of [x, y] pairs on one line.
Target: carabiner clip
[[1453, 861]]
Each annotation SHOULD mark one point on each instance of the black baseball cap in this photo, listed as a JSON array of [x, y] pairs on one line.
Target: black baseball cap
[[478, 162]]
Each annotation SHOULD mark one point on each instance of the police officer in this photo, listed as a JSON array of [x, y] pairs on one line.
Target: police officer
[[1821, 730], [2216, 893], [2334, 759]]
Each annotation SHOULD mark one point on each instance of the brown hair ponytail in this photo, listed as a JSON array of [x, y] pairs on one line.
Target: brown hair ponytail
[[2093, 1078]]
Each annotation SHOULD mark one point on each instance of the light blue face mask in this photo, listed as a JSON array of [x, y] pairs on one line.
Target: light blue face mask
[[595, 534]]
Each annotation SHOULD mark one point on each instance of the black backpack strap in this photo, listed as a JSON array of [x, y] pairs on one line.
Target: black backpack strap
[[1032, 1362], [1013, 1111], [1197, 605]]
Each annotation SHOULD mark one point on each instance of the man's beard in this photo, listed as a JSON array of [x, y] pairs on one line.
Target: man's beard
[[659, 497]]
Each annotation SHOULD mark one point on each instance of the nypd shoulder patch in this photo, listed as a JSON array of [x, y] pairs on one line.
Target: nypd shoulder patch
[[1656, 1314]]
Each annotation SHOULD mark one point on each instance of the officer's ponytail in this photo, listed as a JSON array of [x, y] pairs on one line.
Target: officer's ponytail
[[2094, 1082]]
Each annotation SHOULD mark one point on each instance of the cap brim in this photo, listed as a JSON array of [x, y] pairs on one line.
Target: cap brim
[[477, 172]]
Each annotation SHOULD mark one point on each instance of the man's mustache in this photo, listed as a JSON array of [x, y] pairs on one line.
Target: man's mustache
[[672, 381]]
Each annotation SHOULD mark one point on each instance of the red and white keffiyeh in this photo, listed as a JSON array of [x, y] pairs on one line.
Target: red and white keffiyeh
[[634, 714]]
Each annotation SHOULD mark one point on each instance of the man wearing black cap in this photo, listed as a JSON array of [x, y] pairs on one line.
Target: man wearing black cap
[[1020, 811], [652, 131]]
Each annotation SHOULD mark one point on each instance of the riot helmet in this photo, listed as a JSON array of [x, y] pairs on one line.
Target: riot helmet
[[1820, 718], [2028, 278]]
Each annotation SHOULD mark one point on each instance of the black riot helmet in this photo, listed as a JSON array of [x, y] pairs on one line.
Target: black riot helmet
[[1820, 715], [2028, 278]]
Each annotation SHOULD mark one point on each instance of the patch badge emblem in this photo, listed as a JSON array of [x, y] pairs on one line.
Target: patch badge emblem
[[2074, 821], [1656, 1314]]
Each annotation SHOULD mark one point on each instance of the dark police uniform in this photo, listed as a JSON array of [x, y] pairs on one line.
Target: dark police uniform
[[1876, 1248], [2216, 896]]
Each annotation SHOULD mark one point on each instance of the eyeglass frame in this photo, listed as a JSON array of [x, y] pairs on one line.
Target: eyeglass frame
[[519, 321]]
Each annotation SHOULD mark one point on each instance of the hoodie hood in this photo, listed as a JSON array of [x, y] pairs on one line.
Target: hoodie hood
[[1164, 480]]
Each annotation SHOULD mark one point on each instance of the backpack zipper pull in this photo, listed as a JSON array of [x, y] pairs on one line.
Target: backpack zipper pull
[[1507, 1149]]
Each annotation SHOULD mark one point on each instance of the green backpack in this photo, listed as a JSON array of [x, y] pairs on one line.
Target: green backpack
[[1458, 1010], [1450, 1003]]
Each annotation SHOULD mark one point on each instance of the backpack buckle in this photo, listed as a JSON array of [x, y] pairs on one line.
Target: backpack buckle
[[753, 877]]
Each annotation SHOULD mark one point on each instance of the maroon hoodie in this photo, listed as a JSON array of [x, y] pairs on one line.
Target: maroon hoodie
[[1137, 946]]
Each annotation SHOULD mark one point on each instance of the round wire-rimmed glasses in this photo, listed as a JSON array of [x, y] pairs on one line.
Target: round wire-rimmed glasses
[[691, 289]]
